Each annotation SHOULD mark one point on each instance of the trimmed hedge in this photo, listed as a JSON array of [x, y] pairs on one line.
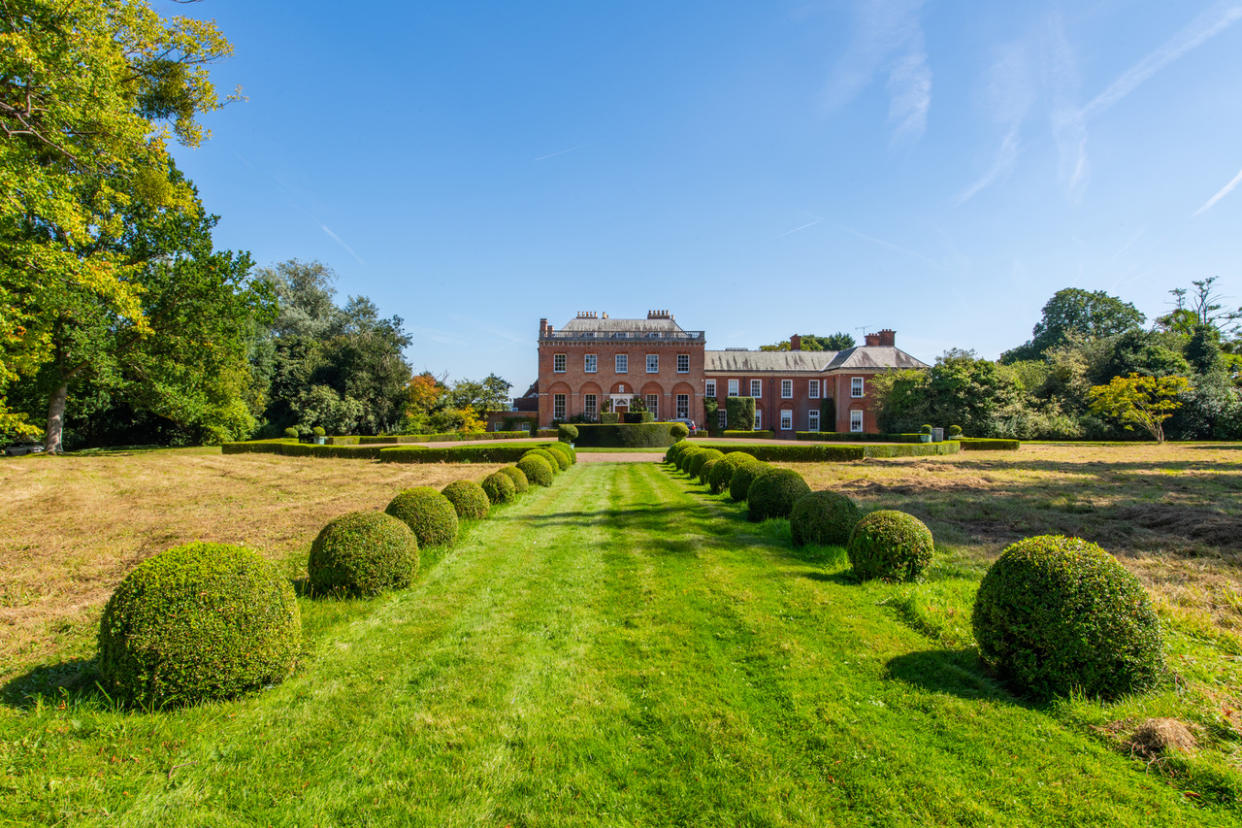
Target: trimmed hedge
[[443, 437], [429, 513], [748, 435], [791, 452], [705, 473], [857, 437], [987, 444], [301, 449], [499, 487], [1055, 615], [743, 476], [454, 454], [694, 466], [740, 413], [674, 451], [546, 455], [773, 493], [890, 545], [679, 431], [567, 432], [520, 483], [197, 622], [687, 456], [823, 519], [626, 435], [563, 454], [721, 473], [363, 553], [468, 499], [536, 469]]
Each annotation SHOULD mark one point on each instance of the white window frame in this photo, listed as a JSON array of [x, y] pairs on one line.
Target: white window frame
[[756, 389], [733, 388], [621, 363], [857, 389], [786, 419], [787, 389], [683, 363], [722, 419], [558, 405], [856, 421], [590, 363], [590, 406], [812, 420], [683, 406], [559, 362], [653, 404], [653, 363], [812, 390], [758, 420], [709, 388]]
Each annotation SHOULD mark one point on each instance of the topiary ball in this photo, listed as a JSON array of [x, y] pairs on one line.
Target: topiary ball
[[705, 473], [890, 545], [537, 470], [679, 431], [291, 433], [200, 621], [545, 455], [560, 455], [823, 519], [1055, 615], [430, 514], [722, 472], [695, 467], [772, 494], [363, 553], [499, 487], [674, 452], [520, 483], [567, 450], [683, 462], [566, 433], [468, 498], [743, 476]]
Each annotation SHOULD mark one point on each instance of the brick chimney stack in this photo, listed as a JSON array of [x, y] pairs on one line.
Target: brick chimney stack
[[795, 343], [888, 337], [871, 340], [544, 328]]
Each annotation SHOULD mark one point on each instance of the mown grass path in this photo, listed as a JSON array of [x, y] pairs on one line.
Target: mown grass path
[[618, 649]]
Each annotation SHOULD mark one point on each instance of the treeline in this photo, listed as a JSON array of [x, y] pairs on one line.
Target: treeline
[[1042, 389]]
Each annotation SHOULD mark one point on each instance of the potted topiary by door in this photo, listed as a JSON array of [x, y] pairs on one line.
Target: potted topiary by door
[[925, 433], [320, 435]]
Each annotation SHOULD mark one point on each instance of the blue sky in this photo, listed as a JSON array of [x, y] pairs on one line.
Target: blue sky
[[759, 169]]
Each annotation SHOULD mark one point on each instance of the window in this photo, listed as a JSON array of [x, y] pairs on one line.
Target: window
[[623, 363], [590, 363], [732, 388], [653, 363], [683, 406], [786, 389], [812, 420], [756, 388], [558, 406], [722, 419], [683, 363], [653, 405], [558, 363], [786, 419], [813, 389], [589, 406], [709, 388], [856, 420], [758, 420], [856, 386]]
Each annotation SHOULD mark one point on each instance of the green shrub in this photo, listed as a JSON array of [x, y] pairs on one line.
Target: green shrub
[[721, 475], [446, 437], [430, 514], [625, 435], [856, 437], [891, 546], [988, 444], [548, 456], [1055, 615], [200, 621], [747, 434], [318, 431], [537, 470], [499, 487], [520, 483], [697, 463], [740, 413], [743, 476], [560, 453], [291, 433], [674, 452], [468, 498], [454, 454], [566, 433], [687, 457], [925, 428], [823, 519], [772, 494], [705, 473], [679, 431], [955, 431], [363, 553]]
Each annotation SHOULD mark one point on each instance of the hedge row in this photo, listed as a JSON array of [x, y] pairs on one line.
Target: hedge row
[[747, 435], [629, 435], [810, 453], [288, 449], [987, 444], [444, 437], [456, 454], [857, 437]]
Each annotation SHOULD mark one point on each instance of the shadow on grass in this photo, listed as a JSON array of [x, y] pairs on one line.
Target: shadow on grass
[[844, 577], [70, 682], [956, 672]]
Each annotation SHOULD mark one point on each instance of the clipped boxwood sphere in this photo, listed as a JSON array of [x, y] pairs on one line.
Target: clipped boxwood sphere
[[468, 498], [537, 470], [890, 545], [695, 467], [772, 494], [200, 621], [499, 487], [520, 483], [547, 456], [823, 519], [743, 476], [674, 452], [567, 450], [566, 433], [705, 473], [679, 431], [430, 514], [687, 456], [560, 453], [1056, 614], [363, 553], [721, 473], [291, 433]]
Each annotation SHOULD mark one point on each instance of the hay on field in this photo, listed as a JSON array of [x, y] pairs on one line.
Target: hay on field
[[1158, 737]]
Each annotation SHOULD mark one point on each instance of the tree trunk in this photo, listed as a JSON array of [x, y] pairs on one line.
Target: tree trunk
[[56, 419]]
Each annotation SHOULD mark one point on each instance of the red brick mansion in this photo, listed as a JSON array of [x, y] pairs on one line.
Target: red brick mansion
[[595, 363]]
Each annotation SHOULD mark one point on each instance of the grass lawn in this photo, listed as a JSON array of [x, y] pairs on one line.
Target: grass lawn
[[619, 649]]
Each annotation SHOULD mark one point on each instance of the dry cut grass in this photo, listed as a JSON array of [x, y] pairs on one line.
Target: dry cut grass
[[74, 526]]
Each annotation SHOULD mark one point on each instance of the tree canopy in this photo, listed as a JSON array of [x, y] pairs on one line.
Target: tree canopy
[[838, 341], [1075, 312]]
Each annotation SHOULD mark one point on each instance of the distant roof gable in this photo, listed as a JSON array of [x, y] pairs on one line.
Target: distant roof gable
[[607, 325], [872, 357]]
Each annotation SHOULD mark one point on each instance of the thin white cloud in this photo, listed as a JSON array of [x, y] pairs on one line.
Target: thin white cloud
[[1002, 165], [342, 243], [1008, 97], [558, 152], [1221, 193], [1069, 123], [800, 228], [858, 234], [887, 38]]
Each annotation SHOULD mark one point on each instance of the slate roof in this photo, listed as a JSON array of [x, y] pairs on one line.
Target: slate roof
[[617, 325], [860, 357]]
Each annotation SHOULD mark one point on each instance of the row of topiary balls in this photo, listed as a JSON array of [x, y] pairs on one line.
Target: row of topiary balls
[[208, 621], [1053, 615]]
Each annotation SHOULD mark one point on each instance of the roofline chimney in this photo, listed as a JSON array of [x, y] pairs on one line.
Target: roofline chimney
[[795, 343]]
